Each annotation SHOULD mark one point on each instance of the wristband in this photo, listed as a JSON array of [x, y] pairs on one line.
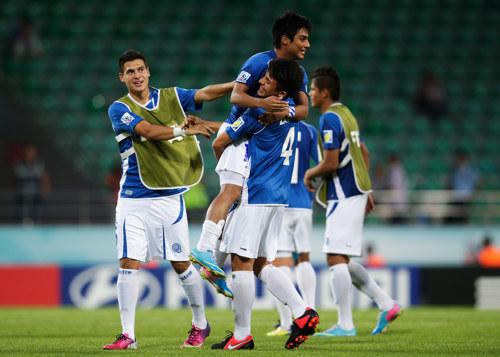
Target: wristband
[[291, 112], [179, 132]]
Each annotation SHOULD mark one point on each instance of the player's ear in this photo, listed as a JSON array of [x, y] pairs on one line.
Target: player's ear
[[282, 94], [285, 41]]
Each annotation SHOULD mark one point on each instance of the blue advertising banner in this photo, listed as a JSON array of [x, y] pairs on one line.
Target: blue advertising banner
[[91, 287]]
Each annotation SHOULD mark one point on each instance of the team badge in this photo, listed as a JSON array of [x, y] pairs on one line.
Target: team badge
[[176, 247], [127, 118], [237, 124], [328, 136], [243, 77]]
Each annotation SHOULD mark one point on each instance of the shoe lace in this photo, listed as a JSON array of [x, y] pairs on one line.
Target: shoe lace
[[193, 334], [228, 337], [120, 337]]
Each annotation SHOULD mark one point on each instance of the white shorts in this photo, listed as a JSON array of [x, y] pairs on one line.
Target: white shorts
[[252, 231], [152, 229], [296, 231], [344, 226], [233, 159]]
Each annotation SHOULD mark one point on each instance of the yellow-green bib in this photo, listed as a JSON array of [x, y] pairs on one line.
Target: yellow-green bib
[[355, 154], [164, 164]]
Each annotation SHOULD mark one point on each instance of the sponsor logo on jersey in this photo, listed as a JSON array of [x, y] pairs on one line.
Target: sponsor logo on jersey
[[237, 124], [243, 77], [127, 118], [328, 136]]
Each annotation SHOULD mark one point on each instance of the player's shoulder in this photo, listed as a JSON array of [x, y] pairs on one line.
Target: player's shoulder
[[118, 107], [261, 58], [329, 115], [307, 127]]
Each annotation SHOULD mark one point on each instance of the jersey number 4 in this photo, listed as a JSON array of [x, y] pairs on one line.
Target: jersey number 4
[[287, 150]]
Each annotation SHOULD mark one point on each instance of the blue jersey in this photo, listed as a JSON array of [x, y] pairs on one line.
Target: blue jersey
[[343, 182], [307, 149], [124, 120], [250, 73], [271, 152]]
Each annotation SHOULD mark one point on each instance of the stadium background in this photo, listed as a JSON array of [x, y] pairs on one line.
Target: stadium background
[[380, 48]]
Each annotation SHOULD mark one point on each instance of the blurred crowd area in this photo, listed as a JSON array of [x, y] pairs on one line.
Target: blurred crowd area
[[421, 77]]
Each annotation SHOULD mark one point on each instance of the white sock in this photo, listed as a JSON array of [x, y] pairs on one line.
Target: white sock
[[210, 233], [191, 282], [243, 288], [283, 289], [365, 283], [286, 318], [128, 294], [306, 280], [340, 282]]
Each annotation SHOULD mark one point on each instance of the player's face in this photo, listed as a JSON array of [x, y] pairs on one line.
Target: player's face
[[300, 44], [315, 96], [135, 76], [268, 86]]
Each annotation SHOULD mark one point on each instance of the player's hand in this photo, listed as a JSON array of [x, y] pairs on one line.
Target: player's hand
[[190, 120], [273, 104], [309, 181], [269, 118], [197, 126], [370, 205]]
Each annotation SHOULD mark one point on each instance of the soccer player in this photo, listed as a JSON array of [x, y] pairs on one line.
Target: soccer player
[[161, 160], [296, 230], [291, 41], [252, 230], [345, 167]]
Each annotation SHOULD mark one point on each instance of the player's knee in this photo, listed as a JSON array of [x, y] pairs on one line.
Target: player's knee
[[180, 267]]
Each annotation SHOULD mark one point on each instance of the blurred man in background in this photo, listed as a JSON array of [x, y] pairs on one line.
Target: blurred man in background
[[463, 181], [489, 255], [33, 183]]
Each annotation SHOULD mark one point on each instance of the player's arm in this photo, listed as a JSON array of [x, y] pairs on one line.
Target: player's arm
[[220, 144], [329, 164], [212, 92], [213, 126], [370, 204], [297, 113], [366, 155], [301, 107], [159, 132], [240, 97]]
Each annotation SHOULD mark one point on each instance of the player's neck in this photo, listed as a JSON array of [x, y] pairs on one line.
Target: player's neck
[[327, 104], [141, 97], [282, 53]]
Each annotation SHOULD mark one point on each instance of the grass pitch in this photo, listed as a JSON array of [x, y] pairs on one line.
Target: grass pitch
[[422, 331]]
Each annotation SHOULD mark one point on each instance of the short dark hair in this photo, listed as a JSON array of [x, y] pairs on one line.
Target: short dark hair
[[288, 75], [130, 55], [289, 24], [327, 78]]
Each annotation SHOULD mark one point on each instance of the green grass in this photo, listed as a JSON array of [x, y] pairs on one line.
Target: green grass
[[421, 331]]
